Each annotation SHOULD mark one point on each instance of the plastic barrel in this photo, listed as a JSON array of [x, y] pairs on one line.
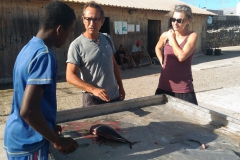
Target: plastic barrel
[[217, 52], [209, 52]]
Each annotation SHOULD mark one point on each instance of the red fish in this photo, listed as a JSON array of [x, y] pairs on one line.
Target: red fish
[[109, 132]]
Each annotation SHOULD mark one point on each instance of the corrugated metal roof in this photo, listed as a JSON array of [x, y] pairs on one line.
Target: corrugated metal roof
[[162, 5]]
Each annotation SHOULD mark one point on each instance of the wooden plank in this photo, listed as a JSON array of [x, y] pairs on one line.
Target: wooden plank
[[2, 44], [7, 50]]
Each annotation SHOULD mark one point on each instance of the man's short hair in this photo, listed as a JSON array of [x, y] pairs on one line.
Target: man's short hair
[[56, 13], [93, 4]]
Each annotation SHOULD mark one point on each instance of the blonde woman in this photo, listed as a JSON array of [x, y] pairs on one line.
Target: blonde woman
[[175, 50]]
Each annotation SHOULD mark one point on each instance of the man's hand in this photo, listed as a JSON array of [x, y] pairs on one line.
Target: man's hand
[[58, 130], [101, 93], [122, 93], [66, 145]]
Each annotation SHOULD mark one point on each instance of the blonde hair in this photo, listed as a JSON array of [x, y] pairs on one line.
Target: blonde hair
[[185, 9]]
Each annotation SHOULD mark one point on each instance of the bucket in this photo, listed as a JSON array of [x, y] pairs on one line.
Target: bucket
[[209, 52], [217, 52]]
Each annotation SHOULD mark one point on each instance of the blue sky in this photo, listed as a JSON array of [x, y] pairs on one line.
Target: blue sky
[[213, 4]]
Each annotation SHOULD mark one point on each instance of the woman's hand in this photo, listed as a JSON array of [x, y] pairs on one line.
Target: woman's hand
[[171, 34]]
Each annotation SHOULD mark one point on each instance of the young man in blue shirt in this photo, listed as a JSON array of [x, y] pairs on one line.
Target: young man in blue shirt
[[31, 123]]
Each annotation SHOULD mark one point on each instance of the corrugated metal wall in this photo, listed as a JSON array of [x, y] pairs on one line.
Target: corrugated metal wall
[[19, 23]]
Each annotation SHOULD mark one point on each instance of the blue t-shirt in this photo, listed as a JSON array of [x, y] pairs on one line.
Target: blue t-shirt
[[36, 64]]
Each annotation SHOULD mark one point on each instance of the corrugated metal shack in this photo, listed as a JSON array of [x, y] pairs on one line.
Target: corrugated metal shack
[[136, 19]]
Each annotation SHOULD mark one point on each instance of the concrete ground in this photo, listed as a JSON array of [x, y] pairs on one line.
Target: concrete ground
[[219, 87], [216, 82]]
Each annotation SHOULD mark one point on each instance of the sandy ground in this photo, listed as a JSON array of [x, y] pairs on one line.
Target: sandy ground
[[215, 78]]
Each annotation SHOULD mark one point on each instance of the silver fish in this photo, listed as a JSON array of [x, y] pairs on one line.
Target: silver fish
[[108, 132]]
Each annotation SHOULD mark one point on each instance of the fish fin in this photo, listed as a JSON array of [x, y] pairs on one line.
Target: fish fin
[[132, 143]]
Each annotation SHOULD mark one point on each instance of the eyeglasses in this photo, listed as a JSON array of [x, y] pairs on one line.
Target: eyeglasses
[[178, 20], [95, 20]]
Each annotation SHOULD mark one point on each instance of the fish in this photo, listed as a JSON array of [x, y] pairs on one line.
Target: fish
[[110, 133]]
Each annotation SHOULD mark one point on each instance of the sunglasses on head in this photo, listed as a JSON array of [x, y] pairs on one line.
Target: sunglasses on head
[[182, 8], [178, 20]]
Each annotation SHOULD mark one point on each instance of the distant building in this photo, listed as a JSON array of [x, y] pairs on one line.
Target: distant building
[[230, 11], [218, 12], [227, 11], [238, 9]]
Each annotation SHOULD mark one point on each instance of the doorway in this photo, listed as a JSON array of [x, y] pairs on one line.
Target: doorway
[[154, 32], [106, 26]]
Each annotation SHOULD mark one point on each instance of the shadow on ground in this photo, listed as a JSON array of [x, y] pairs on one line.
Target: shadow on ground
[[232, 52], [225, 54]]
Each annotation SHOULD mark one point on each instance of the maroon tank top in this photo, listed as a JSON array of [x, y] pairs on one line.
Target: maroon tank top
[[176, 76]]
